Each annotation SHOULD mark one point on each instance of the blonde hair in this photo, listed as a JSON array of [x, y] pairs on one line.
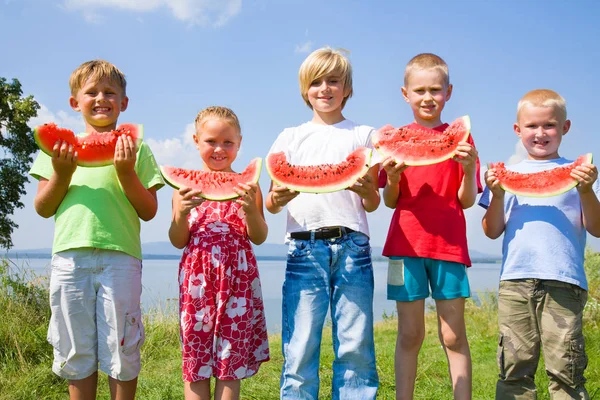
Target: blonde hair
[[425, 61], [217, 112], [96, 70], [544, 98], [323, 62]]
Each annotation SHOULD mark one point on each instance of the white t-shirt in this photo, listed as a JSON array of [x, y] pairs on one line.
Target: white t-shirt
[[544, 238], [312, 144]]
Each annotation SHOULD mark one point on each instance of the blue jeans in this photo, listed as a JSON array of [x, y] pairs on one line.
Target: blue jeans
[[324, 273]]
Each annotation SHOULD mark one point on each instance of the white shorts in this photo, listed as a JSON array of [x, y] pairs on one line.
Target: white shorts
[[96, 317]]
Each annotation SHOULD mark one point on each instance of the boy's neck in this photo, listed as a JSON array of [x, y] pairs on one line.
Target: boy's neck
[[100, 129], [432, 123], [327, 118]]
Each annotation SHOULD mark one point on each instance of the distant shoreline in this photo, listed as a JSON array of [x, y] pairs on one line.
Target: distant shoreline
[[38, 256]]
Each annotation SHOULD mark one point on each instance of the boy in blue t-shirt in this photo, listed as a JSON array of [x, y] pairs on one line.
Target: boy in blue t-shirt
[[96, 278], [543, 288]]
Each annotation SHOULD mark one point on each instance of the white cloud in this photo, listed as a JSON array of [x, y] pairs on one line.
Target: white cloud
[[194, 12], [179, 151], [304, 48], [61, 118], [519, 155]]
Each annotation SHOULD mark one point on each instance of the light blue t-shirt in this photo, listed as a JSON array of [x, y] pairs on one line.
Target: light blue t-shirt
[[544, 238]]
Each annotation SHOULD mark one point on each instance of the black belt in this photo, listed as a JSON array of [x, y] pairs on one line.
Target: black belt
[[329, 232]]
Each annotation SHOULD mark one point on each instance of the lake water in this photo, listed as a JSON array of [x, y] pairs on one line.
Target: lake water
[[159, 279]]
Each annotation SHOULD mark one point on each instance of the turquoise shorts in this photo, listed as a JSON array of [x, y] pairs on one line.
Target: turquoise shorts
[[409, 279]]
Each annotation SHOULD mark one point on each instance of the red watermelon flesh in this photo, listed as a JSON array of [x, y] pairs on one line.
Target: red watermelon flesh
[[421, 146], [215, 185], [547, 183], [96, 149], [321, 178]]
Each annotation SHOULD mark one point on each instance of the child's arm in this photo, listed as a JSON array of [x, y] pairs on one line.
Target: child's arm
[[586, 174], [143, 200], [50, 193], [251, 201], [466, 154], [366, 187], [493, 221], [391, 191], [278, 197], [184, 201]]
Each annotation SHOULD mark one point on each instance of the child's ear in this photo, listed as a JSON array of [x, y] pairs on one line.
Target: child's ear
[[74, 104], [449, 92], [124, 103], [404, 93], [517, 129], [566, 126]]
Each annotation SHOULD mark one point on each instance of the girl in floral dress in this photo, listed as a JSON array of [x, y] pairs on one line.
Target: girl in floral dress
[[222, 322]]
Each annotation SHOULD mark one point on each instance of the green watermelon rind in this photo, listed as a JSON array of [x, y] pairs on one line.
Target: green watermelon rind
[[466, 120], [563, 189], [255, 163], [341, 185], [81, 162]]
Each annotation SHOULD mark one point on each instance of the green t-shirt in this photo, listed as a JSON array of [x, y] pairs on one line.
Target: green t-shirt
[[95, 211]]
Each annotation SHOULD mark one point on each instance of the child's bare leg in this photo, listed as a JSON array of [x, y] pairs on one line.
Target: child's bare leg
[[122, 390], [411, 331], [199, 390], [453, 336], [227, 390], [84, 389]]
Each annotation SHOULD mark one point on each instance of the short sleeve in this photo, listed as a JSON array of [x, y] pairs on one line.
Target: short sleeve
[[281, 143], [147, 169], [42, 167], [485, 199]]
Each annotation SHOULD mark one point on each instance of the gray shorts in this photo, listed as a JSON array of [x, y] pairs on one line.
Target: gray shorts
[[96, 317]]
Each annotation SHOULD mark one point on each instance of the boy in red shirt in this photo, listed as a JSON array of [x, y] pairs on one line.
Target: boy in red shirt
[[427, 242]]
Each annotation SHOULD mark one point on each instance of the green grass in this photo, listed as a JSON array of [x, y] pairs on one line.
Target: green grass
[[26, 357]]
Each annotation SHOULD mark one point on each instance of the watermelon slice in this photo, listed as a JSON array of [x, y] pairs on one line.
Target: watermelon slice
[[94, 149], [217, 185], [547, 183], [421, 146], [321, 178]]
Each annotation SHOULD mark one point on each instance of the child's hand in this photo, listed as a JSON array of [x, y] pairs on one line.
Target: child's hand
[[247, 192], [492, 182], [393, 170], [280, 195], [187, 200], [125, 150], [364, 187], [64, 159], [586, 174], [466, 154]]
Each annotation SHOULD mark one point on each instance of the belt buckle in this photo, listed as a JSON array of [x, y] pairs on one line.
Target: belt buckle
[[339, 235]]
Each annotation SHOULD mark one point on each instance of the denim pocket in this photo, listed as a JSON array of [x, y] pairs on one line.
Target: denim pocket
[[133, 335], [358, 242], [299, 248]]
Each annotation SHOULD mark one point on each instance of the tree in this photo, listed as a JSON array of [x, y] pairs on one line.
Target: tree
[[16, 147]]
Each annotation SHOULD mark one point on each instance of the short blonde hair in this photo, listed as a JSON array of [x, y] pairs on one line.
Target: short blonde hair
[[544, 98], [426, 61], [96, 70], [220, 113], [323, 62]]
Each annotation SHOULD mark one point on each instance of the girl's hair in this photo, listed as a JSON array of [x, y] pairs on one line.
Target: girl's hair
[[324, 62], [544, 98], [425, 61], [218, 112], [96, 70]]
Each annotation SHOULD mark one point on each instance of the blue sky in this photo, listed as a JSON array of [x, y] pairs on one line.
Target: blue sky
[[180, 56]]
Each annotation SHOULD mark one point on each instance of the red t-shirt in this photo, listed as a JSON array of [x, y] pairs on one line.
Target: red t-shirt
[[429, 221]]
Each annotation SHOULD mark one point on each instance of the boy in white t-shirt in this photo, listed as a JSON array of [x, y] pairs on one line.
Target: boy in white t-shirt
[[329, 257]]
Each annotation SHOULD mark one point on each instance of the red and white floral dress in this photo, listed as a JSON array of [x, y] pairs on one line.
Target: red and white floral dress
[[222, 320]]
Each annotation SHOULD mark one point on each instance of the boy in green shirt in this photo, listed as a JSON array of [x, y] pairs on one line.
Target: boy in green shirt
[[95, 283]]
